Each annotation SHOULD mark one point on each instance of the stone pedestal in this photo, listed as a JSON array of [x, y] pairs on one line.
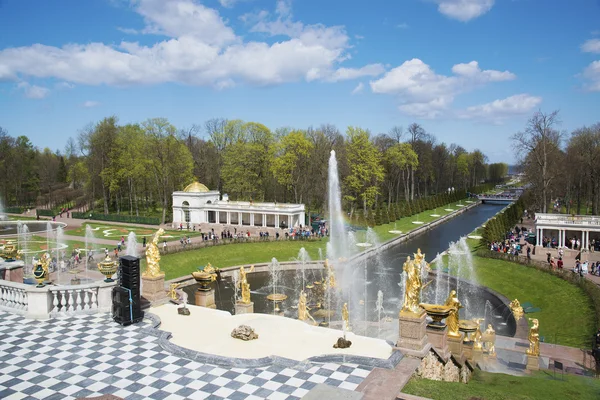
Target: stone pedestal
[[468, 350], [533, 363], [438, 339], [12, 270], [455, 343], [206, 298], [153, 288], [244, 308], [413, 333], [477, 355]]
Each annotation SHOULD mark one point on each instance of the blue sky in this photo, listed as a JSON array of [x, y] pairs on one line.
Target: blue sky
[[469, 71]]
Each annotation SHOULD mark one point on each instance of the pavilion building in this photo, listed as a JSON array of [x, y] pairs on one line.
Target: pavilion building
[[197, 204], [564, 226]]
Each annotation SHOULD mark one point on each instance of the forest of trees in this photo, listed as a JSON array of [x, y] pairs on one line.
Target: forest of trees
[[132, 169], [561, 166]]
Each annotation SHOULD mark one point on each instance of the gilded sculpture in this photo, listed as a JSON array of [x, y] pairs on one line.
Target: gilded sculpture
[[452, 320], [44, 261], [517, 310], [153, 256], [477, 342], [534, 338], [330, 273], [303, 310], [345, 317], [244, 285], [173, 291], [412, 293], [489, 340]]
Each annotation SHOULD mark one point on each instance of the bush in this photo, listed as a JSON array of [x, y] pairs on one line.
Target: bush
[[117, 218], [46, 213], [13, 210]]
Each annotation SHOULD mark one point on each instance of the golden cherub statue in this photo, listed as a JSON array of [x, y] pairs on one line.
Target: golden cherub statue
[[244, 285], [412, 293], [477, 335], [345, 317], [534, 338], [303, 310], [44, 261], [452, 320], [489, 340], [330, 273], [172, 291], [517, 310], [153, 256]]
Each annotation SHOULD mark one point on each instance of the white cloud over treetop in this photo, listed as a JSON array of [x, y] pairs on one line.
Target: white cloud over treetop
[[591, 46], [501, 109], [592, 76], [426, 94], [200, 49], [464, 10]]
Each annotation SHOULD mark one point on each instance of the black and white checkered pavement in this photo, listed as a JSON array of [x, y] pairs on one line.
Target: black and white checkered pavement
[[87, 356]]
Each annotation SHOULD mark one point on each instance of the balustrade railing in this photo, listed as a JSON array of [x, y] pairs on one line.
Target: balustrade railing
[[55, 301], [13, 297]]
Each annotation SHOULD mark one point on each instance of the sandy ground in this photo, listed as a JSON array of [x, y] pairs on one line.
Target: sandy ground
[[209, 331]]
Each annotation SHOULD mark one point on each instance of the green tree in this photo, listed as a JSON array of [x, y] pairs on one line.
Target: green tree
[[290, 162]]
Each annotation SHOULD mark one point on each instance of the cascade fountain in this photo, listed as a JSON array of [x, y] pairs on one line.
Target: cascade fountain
[[48, 233], [395, 231], [337, 232], [23, 245], [60, 244], [379, 309], [276, 296], [131, 249], [89, 240], [301, 279]]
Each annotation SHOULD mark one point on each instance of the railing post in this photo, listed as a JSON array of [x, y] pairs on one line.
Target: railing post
[[105, 296], [39, 302]]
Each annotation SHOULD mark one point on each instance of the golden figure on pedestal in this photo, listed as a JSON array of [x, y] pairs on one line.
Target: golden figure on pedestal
[[244, 285], [452, 320], [477, 335], [172, 291], [153, 256], [45, 263], [412, 293], [517, 310], [489, 343], [330, 273], [303, 310], [345, 317], [534, 338]]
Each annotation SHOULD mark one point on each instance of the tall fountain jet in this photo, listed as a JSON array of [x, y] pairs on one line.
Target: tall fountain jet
[[337, 233]]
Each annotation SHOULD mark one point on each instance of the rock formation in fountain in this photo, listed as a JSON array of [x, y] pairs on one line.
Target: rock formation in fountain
[[244, 332]]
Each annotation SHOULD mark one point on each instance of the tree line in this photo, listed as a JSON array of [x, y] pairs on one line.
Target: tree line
[[133, 168], [560, 165]]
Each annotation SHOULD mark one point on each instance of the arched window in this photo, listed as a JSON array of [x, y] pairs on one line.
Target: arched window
[[186, 211]]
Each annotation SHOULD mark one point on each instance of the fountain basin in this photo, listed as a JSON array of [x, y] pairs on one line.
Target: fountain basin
[[418, 222], [277, 336], [448, 209], [437, 313], [475, 237], [434, 215], [365, 244], [395, 232]]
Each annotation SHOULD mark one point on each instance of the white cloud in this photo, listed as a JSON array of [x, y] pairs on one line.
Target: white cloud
[[426, 94], [227, 3], [33, 91], [64, 85], [464, 10], [359, 88], [200, 49], [128, 31], [592, 75], [501, 109], [90, 104], [403, 25], [591, 46]]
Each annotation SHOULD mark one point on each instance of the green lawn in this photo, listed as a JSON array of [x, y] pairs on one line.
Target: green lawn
[[567, 316], [183, 263], [107, 231], [489, 386]]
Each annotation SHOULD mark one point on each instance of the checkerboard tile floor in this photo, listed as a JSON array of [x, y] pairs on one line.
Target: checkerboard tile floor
[[87, 356]]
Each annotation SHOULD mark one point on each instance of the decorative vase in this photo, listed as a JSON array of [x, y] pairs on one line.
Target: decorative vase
[[40, 275], [204, 280], [107, 268]]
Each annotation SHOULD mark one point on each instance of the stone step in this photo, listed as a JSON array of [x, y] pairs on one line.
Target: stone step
[[386, 384]]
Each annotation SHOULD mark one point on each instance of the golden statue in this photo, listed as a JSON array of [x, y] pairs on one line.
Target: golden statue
[[412, 293], [44, 261], [172, 292], [516, 309], [452, 320], [244, 285], [330, 272], [489, 340], [477, 335], [345, 317], [303, 310], [534, 338], [153, 256]]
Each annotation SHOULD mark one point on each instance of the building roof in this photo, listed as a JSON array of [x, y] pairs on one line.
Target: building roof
[[196, 187]]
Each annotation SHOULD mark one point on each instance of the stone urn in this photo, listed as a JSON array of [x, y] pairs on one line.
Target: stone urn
[[204, 280], [40, 275], [108, 268], [437, 313]]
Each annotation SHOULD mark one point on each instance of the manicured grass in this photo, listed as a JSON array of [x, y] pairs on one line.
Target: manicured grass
[[107, 231], [567, 316], [489, 386], [180, 264]]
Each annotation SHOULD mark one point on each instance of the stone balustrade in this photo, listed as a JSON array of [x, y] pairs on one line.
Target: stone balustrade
[[55, 301]]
